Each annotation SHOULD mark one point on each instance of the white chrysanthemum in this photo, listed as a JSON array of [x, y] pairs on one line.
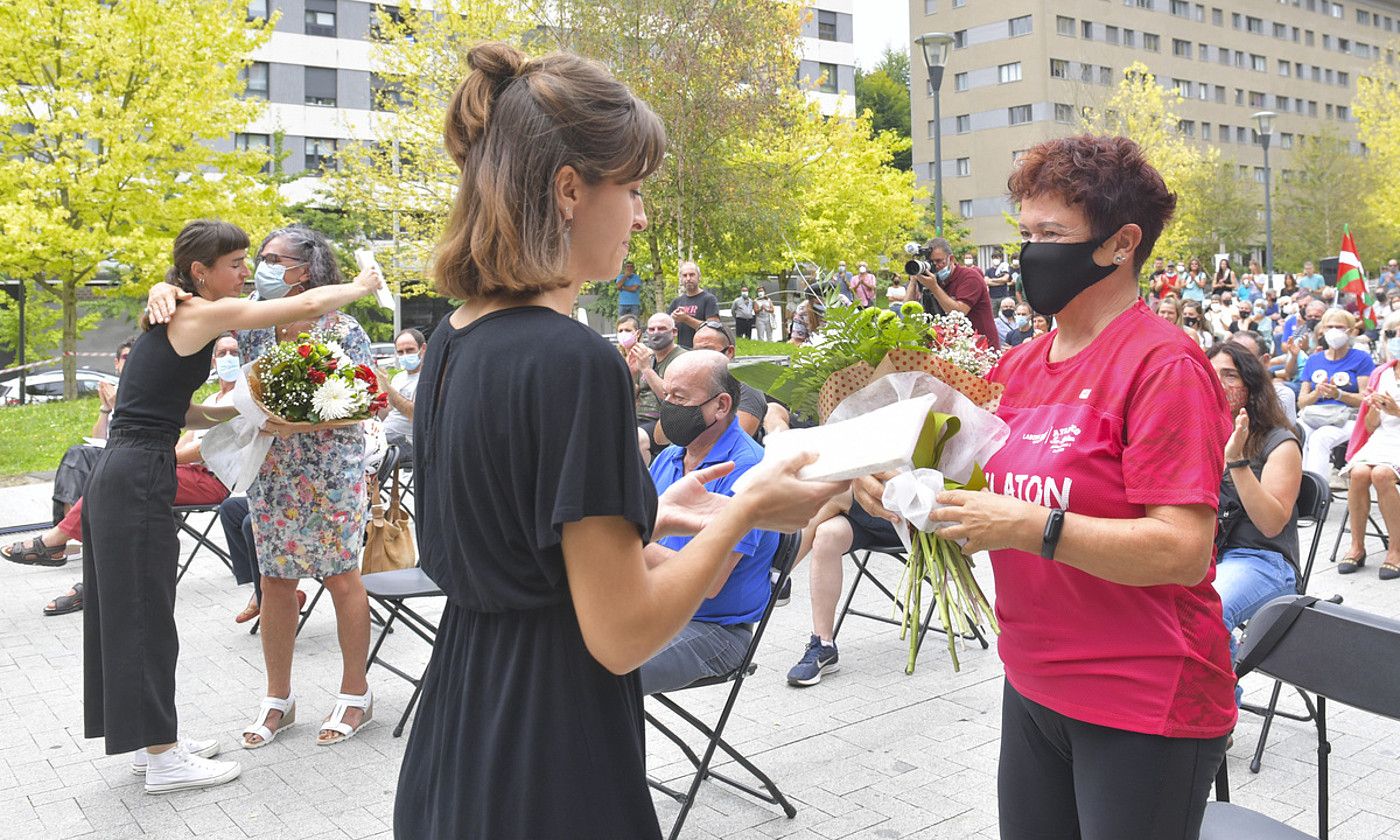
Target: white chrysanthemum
[[333, 400], [338, 353]]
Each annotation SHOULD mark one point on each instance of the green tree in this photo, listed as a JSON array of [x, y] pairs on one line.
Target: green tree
[[1377, 109], [1218, 211], [884, 92], [1327, 188], [111, 109]]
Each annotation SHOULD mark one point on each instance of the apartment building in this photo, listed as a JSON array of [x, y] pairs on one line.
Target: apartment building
[[316, 75], [1021, 71], [828, 66]]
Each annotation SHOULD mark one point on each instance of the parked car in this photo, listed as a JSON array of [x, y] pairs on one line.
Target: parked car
[[384, 354], [48, 386]]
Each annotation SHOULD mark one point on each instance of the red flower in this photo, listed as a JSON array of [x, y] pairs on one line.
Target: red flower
[[304, 350], [981, 342], [379, 402], [363, 372], [331, 363], [316, 376]]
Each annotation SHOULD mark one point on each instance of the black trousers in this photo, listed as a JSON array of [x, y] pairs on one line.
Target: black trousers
[[1064, 779], [743, 327], [131, 548]]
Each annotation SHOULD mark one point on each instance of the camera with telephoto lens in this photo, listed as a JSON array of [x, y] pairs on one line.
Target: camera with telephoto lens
[[920, 259]]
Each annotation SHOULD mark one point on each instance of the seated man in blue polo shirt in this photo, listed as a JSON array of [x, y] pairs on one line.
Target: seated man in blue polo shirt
[[698, 416]]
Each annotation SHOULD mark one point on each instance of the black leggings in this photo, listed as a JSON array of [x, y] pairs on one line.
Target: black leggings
[[131, 547], [1063, 779]]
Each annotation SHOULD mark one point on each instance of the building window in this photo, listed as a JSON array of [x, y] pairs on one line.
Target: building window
[[1217, 17], [1186, 127], [1285, 68], [1009, 72], [1181, 8], [1204, 53], [1285, 140], [826, 25], [1064, 113], [828, 82], [254, 78], [1241, 136], [385, 95], [930, 7], [1086, 73], [320, 152], [1183, 88], [1307, 37], [1254, 25], [1343, 78], [1180, 48], [1256, 99], [1105, 76], [257, 9], [1224, 133], [959, 39], [1018, 26], [255, 143], [965, 208], [1110, 34], [1280, 31], [1205, 131], [320, 17], [1343, 113], [1151, 42], [1018, 114], [964, 167], [320, 86], [1086, 30], [960, 81], [1258, 63], [1064, 25], [1237, 20], [963, 123], [1220, 94], [1222, 55], [1129, 37], [1059, 68]]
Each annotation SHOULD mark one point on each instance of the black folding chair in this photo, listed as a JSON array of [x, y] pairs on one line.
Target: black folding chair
[[201, 537], [1311, 509], [393, 590], [783, 559], [863, 572], [1335, 652]]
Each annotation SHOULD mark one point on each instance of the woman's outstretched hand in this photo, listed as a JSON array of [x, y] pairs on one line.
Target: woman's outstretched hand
[[779, 500]]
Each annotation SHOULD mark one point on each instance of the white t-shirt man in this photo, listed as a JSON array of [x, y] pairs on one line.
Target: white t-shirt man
[[398, 427]]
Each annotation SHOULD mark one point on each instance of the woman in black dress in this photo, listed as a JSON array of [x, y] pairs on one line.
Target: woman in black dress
[[130, 542], [534, 504]]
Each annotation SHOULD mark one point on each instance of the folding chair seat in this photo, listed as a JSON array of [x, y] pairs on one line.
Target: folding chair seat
[[1337, 653], [1311, 509], [783, 559], [200, 536], [393, 590], [861, 559]]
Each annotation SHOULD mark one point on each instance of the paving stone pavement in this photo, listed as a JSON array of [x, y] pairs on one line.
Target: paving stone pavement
[[868, 754]]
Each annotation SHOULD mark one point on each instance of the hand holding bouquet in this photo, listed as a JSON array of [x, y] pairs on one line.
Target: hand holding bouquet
[[310, 384]]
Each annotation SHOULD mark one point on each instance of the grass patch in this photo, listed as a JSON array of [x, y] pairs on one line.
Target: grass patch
[[37, 435], [754, 347]]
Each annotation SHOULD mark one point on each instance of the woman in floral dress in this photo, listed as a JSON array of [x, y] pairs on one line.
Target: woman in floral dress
[[308, 506]]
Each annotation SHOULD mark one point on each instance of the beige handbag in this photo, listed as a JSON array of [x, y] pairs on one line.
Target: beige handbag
[[388, 538]]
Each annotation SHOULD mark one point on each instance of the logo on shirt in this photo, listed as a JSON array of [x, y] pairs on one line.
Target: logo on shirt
[[1060, 439]]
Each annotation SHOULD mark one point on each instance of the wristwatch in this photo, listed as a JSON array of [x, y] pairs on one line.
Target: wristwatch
[[1051, 538]]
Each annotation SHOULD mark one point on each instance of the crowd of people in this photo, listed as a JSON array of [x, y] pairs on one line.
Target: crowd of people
[[602, 522]]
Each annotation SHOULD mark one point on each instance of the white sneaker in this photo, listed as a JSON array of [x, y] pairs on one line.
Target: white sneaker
[[176, 769], [203, 749]]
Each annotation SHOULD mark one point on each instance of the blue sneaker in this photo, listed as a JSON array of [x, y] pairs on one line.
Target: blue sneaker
[[819, 659]]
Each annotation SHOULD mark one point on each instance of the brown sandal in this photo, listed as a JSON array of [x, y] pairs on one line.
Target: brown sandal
[[35, 553]]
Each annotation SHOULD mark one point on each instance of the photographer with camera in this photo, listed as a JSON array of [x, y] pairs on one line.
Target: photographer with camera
[[943, 287]]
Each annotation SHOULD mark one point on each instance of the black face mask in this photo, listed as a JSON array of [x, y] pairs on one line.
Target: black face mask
[[684, 423], [1312, 323], [1054, 273]]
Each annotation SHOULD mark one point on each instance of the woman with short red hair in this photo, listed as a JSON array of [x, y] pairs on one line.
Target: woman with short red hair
[[1119, 686]]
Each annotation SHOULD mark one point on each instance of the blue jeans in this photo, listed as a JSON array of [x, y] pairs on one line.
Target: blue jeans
[[634, 309], [238, 535], [700, 650], [1247, 579]]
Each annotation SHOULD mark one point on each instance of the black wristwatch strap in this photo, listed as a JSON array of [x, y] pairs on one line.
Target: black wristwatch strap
[[1234, 465], [1051, 537]]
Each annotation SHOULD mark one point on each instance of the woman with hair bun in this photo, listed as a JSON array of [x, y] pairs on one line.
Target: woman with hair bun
[[130, 541], [536, 513]]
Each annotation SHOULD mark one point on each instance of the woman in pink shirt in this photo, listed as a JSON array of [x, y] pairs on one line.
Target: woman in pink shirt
[[1119, 687]]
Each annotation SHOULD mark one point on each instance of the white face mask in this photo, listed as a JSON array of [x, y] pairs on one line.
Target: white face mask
[[1336, 337]]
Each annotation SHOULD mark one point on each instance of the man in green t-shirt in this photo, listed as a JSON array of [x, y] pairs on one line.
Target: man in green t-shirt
[[649, 364]]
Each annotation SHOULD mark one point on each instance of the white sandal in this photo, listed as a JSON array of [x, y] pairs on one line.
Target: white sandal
[[288, 708], [336, 722]]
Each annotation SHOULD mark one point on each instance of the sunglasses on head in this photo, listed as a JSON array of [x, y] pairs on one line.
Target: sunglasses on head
[[723, 330]]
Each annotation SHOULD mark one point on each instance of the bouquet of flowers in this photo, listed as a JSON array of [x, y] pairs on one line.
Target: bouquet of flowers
[[869, 360], [311, 380]]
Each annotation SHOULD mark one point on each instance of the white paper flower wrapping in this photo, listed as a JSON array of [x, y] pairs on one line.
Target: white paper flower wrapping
[[235, 451], [914, 496]]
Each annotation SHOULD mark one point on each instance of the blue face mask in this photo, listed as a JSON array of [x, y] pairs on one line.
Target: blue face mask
[[1022, 322], [947, 270], [1392, 348], [269, 283], [409, 361], [227, 367]]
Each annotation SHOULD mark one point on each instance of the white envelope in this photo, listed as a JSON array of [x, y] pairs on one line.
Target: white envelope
[[879, 440], [364, 258]]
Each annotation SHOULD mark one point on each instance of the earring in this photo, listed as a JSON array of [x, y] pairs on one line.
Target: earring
[[1118, 259]]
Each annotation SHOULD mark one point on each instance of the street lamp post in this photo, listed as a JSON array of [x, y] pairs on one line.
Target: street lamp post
[[1265, 120], [935, 46]]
